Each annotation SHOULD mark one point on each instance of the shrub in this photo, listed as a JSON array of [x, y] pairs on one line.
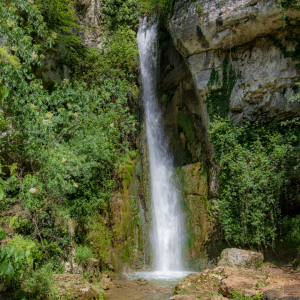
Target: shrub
[[40, 285], [83, 255], [11, 262], [254, 169]]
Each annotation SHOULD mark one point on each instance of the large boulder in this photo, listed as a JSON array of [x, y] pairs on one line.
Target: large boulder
[[74, 286], [200, 284], [237, 258], [222, 279], [105, 282]]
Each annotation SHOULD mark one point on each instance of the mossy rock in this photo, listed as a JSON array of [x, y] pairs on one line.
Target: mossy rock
[[74, 286]]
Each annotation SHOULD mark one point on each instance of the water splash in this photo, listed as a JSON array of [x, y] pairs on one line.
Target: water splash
[[167, 222]]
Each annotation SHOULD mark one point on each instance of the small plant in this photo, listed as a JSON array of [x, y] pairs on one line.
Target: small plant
[[83, 255], [260, 264], [11, 260], [199, 9], [39, 285], [236, 295]]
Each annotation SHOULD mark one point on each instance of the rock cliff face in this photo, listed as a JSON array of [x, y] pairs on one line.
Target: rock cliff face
[[233, 59], [238, 48], [87, 12]]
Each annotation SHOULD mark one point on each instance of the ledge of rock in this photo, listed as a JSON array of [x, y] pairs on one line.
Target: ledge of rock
[[223, 24], [74, 286], [237, 258]]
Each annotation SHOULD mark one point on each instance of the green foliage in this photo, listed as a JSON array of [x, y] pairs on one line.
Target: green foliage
[[83, 255], [162, 7], [290, 238], [13, 60], [3, 94], [62, 24], [116, 67], [297, 96], [39, 285], [126, 168], [218, 100], [185, 124], [199, 9], [26, 245], [236, 295], [120, 13], [11, 260], [254, 170], [63, 144], [291, 230], [99, 238], [283, 5]]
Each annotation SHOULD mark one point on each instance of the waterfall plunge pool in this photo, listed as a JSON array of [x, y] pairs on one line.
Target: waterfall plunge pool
[[160, 277]]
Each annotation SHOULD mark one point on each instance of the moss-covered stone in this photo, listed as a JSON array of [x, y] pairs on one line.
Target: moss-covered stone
[[74, 286]]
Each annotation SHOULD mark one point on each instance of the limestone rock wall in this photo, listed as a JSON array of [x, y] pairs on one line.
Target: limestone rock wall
[[212, 42], [87, 12], [206, 31], [249, 36]]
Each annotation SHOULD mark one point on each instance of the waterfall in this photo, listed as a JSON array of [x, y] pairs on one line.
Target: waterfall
[[167, 221]]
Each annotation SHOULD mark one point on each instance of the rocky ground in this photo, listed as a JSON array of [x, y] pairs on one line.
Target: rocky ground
[[243, 272], [237, 271], [138, 290]]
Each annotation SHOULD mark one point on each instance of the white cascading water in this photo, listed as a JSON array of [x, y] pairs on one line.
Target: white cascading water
[[167, 233]]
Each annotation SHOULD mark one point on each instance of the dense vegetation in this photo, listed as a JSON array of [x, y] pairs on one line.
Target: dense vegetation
[[258, 169], [60, 142], [69, 146]]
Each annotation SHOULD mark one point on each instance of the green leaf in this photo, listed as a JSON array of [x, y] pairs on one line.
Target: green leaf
[[9, 271], [3, 268], [1, 192], [2, 234], [3, 93]]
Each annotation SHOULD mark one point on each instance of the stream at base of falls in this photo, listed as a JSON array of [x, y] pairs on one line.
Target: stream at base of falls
[[145, 285]]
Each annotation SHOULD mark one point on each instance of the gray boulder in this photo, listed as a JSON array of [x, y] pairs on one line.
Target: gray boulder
[[237, 258]]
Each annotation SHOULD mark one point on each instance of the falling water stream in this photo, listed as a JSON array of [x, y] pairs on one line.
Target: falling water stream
[[167, 233], [167, 230]]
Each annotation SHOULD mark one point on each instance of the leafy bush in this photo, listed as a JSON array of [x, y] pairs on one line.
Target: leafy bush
[[11, 260], [35, 254], [39, 285], [254, 170], [119, 13], [60, 147], [83, 255], [62, 24]]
